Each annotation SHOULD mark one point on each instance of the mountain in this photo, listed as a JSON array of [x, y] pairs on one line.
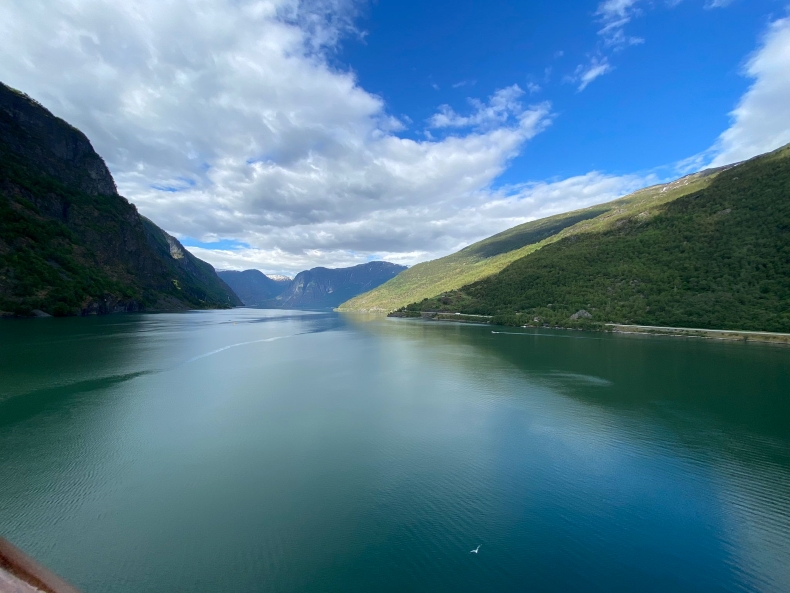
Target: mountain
[[717, 256], [69, 244], [322, 288], [253, 287], [492, 255]]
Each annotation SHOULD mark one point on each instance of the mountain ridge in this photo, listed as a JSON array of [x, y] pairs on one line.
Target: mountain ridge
[[316, 288], [253, 287], [324, 288]]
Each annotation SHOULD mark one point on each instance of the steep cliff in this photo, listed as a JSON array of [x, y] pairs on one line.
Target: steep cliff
[[69, 244]]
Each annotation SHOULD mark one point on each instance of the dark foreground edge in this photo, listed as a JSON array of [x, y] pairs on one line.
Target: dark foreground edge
[[15, 562]]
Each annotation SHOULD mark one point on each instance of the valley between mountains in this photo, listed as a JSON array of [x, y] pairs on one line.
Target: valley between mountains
[[318, 288], [710, 250]]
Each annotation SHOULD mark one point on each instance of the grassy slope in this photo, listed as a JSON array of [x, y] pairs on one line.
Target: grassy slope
[[717, 258], [490, 256]]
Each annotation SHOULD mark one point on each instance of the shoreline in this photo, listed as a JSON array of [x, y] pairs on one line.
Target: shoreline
[[439, 316], [729, 335]]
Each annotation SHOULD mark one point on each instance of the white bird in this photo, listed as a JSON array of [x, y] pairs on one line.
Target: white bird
[[476, 550]]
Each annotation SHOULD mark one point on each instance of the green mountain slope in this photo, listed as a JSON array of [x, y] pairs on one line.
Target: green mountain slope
[[715, 258], [69, 244], [492, 255]]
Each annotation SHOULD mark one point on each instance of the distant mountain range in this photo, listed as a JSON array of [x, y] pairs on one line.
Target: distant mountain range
[[318, 288], [253, 287], [710, 250], [69, 244], [322, 288]]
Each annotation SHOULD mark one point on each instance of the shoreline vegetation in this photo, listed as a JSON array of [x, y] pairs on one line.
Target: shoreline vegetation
[[619, 328]]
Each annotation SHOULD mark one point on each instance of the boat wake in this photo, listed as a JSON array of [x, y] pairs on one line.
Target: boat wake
[[218, 350]]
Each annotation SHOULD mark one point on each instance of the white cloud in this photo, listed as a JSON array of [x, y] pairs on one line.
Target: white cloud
[[225, 119], [761, 121], [718, 3], [587, 73], [503, 107], [618, 39], [614, 15], [616, 10]]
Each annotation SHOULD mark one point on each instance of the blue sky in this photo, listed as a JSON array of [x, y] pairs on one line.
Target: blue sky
[[285, 134], [665, 99]]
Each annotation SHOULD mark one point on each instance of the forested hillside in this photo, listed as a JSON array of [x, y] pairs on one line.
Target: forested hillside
[[717, 258], [491, 255]]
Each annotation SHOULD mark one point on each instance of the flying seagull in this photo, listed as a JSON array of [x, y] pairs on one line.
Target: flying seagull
[[476, 550]]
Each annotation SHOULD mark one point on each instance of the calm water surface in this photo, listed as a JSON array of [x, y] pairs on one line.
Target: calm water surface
[[256, 451]]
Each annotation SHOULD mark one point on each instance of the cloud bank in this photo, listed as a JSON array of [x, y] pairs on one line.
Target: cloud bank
[[226, 120], [435, 228], [223, 119]]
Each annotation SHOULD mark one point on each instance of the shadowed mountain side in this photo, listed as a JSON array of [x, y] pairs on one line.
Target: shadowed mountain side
[[69, 244], [489, 256], [322, 288], [253, 287]]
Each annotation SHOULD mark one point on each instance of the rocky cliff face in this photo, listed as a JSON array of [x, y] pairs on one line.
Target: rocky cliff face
[[69, 244], [57, 149], [322, 288]]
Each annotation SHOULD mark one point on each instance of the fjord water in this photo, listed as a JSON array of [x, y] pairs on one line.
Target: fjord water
[[254, 450]]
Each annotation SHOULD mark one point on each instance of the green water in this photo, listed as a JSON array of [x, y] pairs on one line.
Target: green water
[[253, 451]]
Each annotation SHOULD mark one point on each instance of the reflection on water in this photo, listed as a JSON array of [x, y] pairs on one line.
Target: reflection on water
[[254, 450]]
